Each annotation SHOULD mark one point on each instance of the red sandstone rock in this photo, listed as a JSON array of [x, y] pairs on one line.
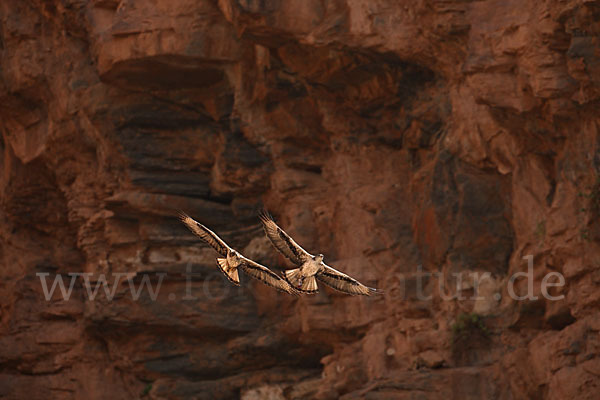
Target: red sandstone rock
[[460, 136]]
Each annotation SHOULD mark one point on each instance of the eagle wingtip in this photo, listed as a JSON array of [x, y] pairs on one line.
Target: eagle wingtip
[[265, 216], [375, 291], [183, 217], [290, 290]]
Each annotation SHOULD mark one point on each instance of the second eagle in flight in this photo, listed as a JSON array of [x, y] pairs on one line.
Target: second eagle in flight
[[311, 267]]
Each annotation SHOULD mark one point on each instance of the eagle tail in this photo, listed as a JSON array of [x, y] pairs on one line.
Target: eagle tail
[[304, 284], [230, 273]]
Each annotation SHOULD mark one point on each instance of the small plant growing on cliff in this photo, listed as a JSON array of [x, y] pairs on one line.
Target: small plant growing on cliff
[[146, 390], [593, 195], [467, 325], [540, 230], [591, 207]]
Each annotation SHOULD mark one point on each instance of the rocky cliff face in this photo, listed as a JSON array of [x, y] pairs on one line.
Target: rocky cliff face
[[459, 136]]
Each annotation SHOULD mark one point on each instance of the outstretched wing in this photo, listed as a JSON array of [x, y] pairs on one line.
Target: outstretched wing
[[282, 241], [343, 282], [206, 234], [266, 276]]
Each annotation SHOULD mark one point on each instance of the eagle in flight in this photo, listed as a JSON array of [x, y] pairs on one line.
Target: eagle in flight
[[310, 267], [231, 260]]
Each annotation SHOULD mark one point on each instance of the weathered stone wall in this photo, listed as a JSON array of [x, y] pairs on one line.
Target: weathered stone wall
[[456, 135]]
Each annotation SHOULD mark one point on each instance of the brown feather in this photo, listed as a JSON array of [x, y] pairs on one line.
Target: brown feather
[[206, 234], [282, 241], [343, 282], [266, 276]]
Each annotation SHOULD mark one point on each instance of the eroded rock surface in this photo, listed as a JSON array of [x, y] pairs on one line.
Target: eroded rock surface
[[445, 138]]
